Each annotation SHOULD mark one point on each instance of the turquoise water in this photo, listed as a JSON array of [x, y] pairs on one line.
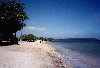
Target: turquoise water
[[80, 54]]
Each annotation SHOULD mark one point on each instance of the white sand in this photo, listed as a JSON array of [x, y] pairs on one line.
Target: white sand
[[30, 55]]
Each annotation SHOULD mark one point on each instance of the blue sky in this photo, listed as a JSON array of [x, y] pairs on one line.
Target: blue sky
[[63, 18]]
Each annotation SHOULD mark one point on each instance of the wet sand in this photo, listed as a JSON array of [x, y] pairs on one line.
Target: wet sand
[[31, 55]]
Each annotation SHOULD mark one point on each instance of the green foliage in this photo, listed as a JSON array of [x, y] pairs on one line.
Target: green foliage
[[41, 38], [12, 16], [29, 37]]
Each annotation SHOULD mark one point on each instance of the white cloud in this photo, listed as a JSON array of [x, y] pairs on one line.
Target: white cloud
[[75, 32], [61, 32], [37, 29]]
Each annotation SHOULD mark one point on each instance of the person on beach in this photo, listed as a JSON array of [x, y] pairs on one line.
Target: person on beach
[[40, 41]]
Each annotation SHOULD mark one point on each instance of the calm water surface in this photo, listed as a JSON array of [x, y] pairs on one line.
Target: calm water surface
[[80, 54]]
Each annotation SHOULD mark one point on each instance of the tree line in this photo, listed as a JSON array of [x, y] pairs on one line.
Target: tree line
[[32, 38]]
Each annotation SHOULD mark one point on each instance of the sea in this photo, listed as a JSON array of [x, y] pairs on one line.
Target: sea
[[79, 54]]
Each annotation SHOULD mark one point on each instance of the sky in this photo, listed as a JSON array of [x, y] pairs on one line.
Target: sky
[[63, 18]]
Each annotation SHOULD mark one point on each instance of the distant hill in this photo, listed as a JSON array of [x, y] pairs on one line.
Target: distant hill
[[77, 40]]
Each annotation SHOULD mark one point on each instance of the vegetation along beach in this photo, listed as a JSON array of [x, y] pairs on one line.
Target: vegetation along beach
[[49, 33]]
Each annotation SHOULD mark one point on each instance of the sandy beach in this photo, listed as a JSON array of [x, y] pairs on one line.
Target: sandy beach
[[31, 55]]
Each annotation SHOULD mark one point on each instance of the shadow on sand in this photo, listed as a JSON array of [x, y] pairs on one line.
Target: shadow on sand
[[7, 44]]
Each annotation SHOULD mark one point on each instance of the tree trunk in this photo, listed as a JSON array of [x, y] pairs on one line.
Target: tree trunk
[[15, 34]]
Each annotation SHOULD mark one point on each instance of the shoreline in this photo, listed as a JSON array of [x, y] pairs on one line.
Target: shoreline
[[31, 55], [57, 58]]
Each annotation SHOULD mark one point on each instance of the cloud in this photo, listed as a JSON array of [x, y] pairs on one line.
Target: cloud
[[61, 32], [37, 29], [75, 32]]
